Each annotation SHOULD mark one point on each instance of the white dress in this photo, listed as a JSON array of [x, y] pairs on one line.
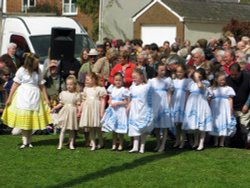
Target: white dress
[[28, 93], [140, 115], [90, 116], [198, 115], [160, 102], [115, 119], [67, 116], [224, 124], [27, 110], [179, 99]]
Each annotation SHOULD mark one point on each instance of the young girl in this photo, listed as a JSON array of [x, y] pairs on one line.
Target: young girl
[[92, 108], [222, 109], [178, 103], [67, 117], [140, 114], [115, 117], [198, 115], [2, 92], [208, 66], [25, 108], [162, 89]]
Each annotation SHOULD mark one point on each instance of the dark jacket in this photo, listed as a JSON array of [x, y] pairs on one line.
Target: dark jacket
[[241, 87]]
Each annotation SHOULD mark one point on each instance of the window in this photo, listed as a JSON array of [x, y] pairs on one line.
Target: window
[[28, 3], [69, 7]]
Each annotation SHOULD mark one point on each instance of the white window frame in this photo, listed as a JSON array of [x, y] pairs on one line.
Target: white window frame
[[28, 4], [69, 6]]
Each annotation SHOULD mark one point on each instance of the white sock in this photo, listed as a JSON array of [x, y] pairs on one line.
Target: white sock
[[25, 137], [143, 140], [135, 144], [202, 139]]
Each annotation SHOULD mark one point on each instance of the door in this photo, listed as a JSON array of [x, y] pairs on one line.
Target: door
[[158, 34]]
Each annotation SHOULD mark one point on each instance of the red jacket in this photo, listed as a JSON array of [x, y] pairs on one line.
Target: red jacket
[[127, 74]]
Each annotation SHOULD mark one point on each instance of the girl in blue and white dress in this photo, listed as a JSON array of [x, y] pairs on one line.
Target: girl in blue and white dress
[[115, 117], [162, 89], [140, 111], [178, 103], [221, 96], [198, 115]]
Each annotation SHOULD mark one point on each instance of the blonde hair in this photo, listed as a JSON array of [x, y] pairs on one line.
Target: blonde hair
[[208, 65], [217, 75], [73, 78], [95, 77], [30, 58], [141, 73]]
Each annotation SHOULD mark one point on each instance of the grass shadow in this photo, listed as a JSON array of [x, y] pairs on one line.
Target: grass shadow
[[46, 142], [113, 169], [143, 160]]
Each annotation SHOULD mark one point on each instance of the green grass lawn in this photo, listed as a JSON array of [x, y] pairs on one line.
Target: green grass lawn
[[45, 166]]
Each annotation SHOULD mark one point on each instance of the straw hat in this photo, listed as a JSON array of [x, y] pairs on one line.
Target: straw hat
[[93, 52]]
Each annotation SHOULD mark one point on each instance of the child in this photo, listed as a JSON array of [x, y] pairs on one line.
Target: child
[[92, 108], [198, 115], [209, 68], [8, 81], [115, 117], [2, 92], [67, 117], [140, 111], [162, 89], [222, 109], [178, 103], [25, 108]]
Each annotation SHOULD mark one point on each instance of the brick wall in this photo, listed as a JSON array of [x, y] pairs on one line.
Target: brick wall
[[158, 15], [82, 18], [15, 6], [85, 21]]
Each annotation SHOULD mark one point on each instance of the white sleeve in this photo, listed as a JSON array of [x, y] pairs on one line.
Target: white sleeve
[[19, 75], [41, 81], [230, 92]]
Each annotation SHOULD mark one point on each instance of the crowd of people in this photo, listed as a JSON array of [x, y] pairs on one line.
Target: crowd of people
[[198, 93]]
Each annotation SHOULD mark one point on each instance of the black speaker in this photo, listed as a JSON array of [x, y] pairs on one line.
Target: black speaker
[[62, 43]]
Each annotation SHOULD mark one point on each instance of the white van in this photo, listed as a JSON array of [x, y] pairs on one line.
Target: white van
[[33, 34]]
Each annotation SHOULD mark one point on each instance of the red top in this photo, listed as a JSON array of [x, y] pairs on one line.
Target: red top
[[190, 62], [226, 67], [127, 74]]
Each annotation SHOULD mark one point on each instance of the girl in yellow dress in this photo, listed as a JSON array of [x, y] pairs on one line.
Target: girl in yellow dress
[[25, 107]]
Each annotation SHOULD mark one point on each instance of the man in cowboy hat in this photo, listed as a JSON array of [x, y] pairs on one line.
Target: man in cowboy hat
[[87, 67]]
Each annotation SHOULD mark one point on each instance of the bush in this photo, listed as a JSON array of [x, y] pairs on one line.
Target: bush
[[238, 28], [45, 8]]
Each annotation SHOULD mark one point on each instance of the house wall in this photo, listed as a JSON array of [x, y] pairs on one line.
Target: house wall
[[116, 18], [196, 31], [158, 15]]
